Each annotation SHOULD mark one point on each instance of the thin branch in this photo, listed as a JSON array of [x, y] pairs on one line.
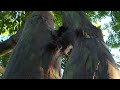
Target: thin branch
[[9, 44]]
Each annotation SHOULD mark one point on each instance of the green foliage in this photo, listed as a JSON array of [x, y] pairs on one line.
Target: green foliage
[[96, 15], [114, 25], [114, 37], [113, 40], [4, 59], [11, 21], [58, 19], [64, 60], [118, 64]]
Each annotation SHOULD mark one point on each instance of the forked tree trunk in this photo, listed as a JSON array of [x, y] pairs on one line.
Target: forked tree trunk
[[35, 55], [90, 58]]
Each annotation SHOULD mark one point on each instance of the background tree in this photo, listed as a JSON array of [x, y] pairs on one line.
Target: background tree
[[12, 22]]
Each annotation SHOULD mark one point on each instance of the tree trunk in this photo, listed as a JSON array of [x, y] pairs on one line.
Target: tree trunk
[[90, 58], [37, 51], [35, 55]]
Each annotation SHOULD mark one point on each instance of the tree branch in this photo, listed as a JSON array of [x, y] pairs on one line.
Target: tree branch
[[9, 44], [2, 69]]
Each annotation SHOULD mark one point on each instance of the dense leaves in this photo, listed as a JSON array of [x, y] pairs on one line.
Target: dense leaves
[[114, 37], [12, 21], [96, 15]]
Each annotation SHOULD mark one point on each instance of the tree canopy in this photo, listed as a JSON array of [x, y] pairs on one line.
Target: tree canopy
[[12, 21]]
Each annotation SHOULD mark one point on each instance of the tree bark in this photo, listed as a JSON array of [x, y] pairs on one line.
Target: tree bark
[[37, 51], [90, 58], [35, 55]]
